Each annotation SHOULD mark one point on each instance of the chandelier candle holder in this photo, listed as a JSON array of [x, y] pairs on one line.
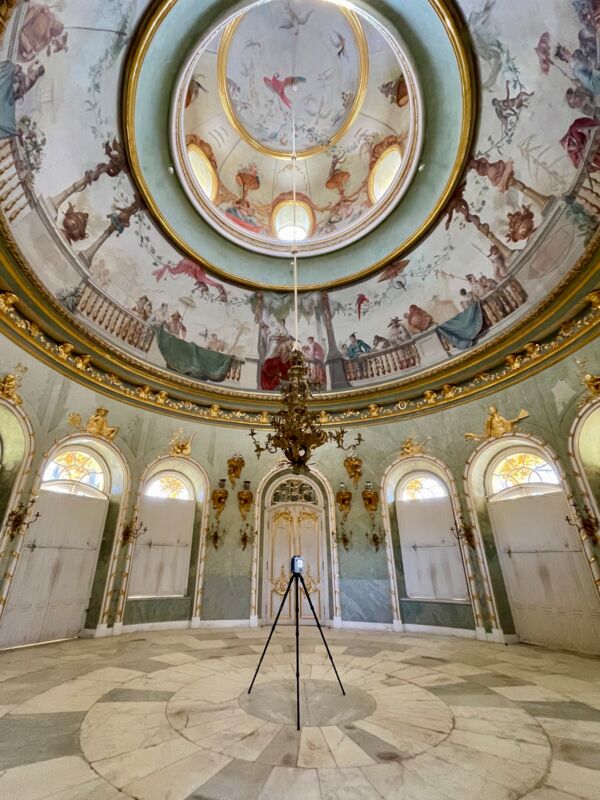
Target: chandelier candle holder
[[298, 431], [20, 519], [587, 522], [343, 537], [343, 501], [215, 535], [219, 498], [375, 538], [247, 535], [245, 500], [235, 465], [132, 531], [464, 532]]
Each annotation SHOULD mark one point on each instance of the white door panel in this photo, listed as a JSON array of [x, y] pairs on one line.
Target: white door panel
[[550, 587], [53, 579]]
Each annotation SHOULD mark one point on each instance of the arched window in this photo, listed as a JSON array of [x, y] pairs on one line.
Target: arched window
[[76, 472], [421, 486], [521, 472], [170, 485]]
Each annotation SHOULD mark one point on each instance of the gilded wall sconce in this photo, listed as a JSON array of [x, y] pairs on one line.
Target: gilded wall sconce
[[376, 538], [17, 521], [235, 465], [463, 532], [219, 498], [133, 531], [343, 500], [354, 466], [343, 537], [245, 500], [370, 498], [247, 535], [214, 534], [587, 522]]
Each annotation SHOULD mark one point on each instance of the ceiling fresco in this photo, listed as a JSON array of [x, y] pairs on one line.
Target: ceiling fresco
[[513, 234]]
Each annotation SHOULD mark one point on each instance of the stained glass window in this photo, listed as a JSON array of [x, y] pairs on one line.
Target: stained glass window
[[517, 469], [170, 486], [422, 487], [76, 466]]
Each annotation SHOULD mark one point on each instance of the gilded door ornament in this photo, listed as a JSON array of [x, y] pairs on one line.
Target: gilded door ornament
[[304, 515], [11, 383], [179, 445], [245, 500], [280, 585], [312, 586], [219, 498], [343, 500], [97, 424], [496, 425], [235, 465], [353, 466]]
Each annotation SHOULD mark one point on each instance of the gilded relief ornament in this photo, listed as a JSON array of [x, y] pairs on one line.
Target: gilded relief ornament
[[11, 383], [235, 465], [219, 498], [343, 500], [354, 466], [591, 382], [280, 585], [370, 498], [7, 301], [430, 397], [179, 445], [496, 425], [310, 583], [410, 447], [97, 424], [245, 500], [593, 299]]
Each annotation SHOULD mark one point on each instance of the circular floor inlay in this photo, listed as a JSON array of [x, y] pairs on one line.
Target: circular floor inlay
[[321, 703]]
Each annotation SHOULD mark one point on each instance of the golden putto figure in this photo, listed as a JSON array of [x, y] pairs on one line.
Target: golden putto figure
[[179, 445], [496, 425], [11, 383], [97, 424], [410, 446]]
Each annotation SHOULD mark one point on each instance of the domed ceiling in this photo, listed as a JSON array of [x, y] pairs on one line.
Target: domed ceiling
[[442, 221]]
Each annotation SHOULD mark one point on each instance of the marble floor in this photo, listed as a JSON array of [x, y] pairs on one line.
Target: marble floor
[[167, 716]]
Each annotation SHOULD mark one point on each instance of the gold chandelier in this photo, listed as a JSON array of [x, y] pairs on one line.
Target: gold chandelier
[[297, 430]]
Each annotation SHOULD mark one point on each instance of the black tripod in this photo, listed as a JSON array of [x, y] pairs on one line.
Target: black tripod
[[295, 578]]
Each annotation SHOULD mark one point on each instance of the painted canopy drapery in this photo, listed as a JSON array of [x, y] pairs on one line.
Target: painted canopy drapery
[[191, 359], [463, 330]]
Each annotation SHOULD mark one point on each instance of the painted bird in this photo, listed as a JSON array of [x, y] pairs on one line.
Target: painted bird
[[279, 86], [194, 90], [360, 301], [339, 43]]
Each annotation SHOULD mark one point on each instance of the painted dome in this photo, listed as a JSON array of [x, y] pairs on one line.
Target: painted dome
[[326, 83], [447, 212]]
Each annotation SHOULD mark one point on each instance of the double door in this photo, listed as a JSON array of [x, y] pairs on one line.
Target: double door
[[295, 529]]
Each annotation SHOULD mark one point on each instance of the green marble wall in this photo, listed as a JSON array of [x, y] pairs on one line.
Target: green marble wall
[[552, 398]]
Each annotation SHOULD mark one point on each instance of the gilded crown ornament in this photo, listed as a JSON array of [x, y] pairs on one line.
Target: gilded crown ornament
[[97, 424], [245, 500], [219, 498], [235, 465], [297, 430], [11, 383], [496, 425]]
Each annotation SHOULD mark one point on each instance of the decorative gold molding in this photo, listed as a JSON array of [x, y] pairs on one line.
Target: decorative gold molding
[[140, 46]]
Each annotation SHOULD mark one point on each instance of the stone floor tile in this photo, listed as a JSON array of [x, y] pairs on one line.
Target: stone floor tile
[[287, 783], [238, 780], [45, 778], [38, 737], [346, 784], [570, 778], [179, 780]]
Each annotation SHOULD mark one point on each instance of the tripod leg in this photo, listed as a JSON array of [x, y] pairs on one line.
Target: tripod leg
[[312, 608], [297, 655], [287, 591]]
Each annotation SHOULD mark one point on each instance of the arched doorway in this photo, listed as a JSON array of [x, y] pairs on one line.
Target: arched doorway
[[295, 524], [549, 585], [52, 585]]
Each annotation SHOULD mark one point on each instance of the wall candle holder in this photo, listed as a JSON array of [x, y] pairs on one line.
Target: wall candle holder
[[219, 498], [17, 522], [245, 500], [247, 535], [343, 537], [133, 531], [376, 538], [463, 532], [370, 499], [214, 534], [343, 501], [587, 522]]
